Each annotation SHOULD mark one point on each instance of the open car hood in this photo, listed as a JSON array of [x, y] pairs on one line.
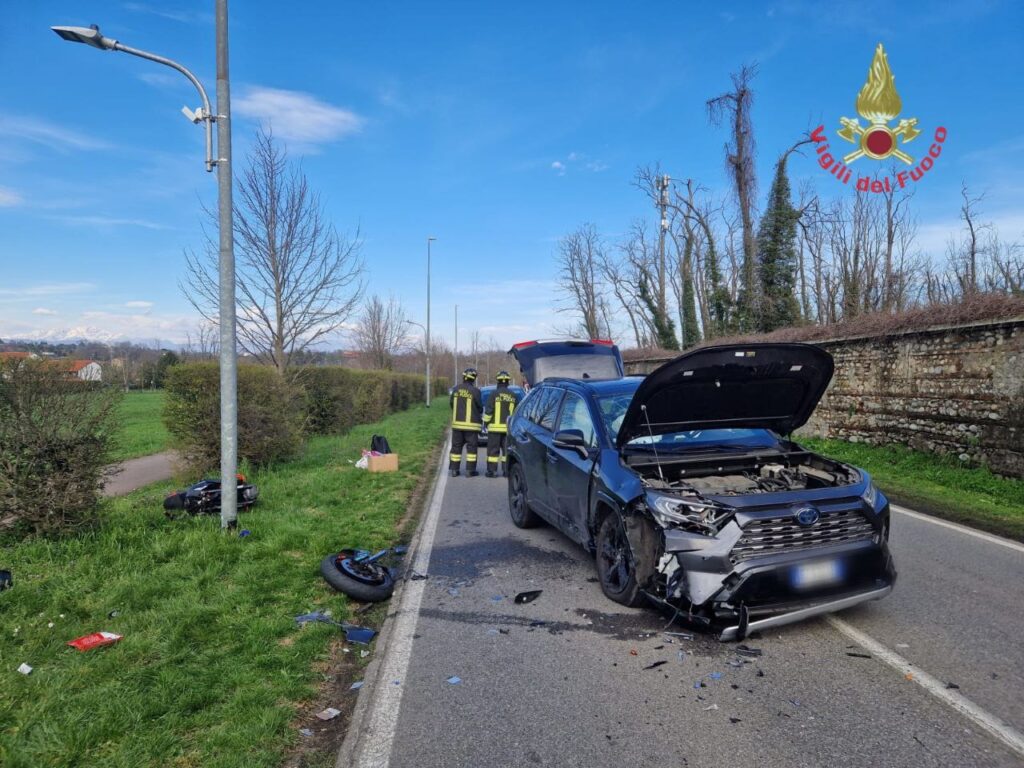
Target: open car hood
[[749, 386], [574, 359]]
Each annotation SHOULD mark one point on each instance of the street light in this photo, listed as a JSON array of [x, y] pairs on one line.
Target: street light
[[92, 36], [427, 342]]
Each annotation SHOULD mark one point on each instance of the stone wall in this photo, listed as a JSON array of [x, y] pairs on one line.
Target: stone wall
[[952, 389]]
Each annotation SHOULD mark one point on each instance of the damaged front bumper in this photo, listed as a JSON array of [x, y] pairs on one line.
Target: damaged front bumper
[[728, 586]]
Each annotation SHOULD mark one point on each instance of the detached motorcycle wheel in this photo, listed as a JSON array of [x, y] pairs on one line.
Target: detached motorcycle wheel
[[367, 582]]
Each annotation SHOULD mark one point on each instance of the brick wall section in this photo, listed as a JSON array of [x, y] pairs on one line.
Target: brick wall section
[[955, 389]]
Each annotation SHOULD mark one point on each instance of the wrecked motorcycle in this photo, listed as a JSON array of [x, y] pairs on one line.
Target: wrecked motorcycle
[[203, 498]]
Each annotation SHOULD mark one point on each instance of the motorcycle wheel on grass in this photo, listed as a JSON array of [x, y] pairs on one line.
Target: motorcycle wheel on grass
[[369, 582]]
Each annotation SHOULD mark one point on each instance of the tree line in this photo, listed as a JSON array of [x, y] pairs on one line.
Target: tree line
[[713, 267]]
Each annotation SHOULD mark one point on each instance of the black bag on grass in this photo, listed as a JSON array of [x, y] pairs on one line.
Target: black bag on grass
[[379, 443]]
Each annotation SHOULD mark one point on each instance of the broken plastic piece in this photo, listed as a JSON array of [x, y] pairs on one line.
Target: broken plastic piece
[[528, 597], [328, 714], [735, 720], [633, 652], [715, 675], [734, 663], [746, 650], [361, 635], [453, 680], [305, 732], [654, 664], [712, 707], [95, 640], [858, 655], [6, 580], [497, 599], [681, 655], [952, 686], [401, 549], [417, 576], [683, 635], [244, 532], [453, 592], [356, 685], [25, 669]]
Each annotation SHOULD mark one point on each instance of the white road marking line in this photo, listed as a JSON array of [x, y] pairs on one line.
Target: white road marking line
[[991, 538], [987, 722], [374, 746]]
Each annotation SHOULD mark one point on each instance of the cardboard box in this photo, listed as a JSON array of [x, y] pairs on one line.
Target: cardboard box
[[386, 463]]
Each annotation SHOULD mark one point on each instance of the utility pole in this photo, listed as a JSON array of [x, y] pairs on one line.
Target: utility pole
[[427, 347], [455, 351], [662, 184], [228, 357]]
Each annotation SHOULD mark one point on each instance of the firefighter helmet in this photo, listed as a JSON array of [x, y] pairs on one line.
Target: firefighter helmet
[[503, 377], [469, 374]]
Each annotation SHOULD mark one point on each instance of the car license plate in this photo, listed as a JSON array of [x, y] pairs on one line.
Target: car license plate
[[817, 574]]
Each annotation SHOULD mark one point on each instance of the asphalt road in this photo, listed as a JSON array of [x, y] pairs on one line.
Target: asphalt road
[[132, 474], [571, 692]]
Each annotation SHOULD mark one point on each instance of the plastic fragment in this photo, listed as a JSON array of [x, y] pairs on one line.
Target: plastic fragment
[[25, 669], [734, 663], [363, 654], [858, 655], [6, 580], [633, 652], [655, 664], [328, 714], [356, 685], [795, 702], [746, 650], [361, 635], [417, 576], [95, 640], [244, 532], [683, 635], [902, 645], [952, 686], [305, 732], [735, 720], [492, 631], [401, 549], [528, 596], [453, 592], [681, 655], [715, 675], [453, 680], [712, 707], [496, 599]]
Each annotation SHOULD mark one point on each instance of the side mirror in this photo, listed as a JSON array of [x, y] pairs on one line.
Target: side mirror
[[572, 440]]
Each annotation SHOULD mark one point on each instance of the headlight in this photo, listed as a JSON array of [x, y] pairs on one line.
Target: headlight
[[870, 496], [671, 511]]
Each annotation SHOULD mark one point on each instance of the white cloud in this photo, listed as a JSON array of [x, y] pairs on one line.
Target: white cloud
[[297, 117], [577, 160], [558, 166], [43, 311], [48, 289], [109, 221], [9, 198], [186, 17], [138, 304], [46, 133]]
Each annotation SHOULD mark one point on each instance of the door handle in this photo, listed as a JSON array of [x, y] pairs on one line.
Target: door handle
[[552, 456]]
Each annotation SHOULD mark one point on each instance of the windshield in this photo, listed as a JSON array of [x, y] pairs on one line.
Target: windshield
[[613, 410]]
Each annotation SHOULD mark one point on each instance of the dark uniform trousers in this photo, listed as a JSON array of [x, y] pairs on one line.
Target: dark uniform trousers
[[470, 438], [496, 448]]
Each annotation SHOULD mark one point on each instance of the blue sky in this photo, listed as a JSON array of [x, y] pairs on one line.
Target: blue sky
[[496, 127]]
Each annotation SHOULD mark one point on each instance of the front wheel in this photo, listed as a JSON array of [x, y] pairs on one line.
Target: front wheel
[[615, 568], [367, 582], [518, 506]]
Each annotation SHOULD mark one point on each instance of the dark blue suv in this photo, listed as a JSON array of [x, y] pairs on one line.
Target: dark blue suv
[[687, 489]]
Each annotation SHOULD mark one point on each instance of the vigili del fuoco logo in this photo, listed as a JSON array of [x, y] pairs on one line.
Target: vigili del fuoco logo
[[879, 104]]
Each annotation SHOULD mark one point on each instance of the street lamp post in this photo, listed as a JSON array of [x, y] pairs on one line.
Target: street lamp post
[[427, 350], [427, 342], [228, 360]]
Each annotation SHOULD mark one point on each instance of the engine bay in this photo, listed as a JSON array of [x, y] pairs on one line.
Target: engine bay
[[772, 474]]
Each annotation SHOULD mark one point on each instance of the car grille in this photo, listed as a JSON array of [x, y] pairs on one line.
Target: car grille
[[775, 535]]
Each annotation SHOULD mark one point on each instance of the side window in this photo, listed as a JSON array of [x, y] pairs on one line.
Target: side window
[[528, 407], [547, 409], [576, 415]]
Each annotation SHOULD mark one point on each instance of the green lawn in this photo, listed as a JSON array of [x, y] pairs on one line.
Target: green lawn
[[939, 485], [212, 668], [142, 430]]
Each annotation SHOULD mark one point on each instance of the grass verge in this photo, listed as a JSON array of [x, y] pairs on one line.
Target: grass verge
[[212, 669], [142, 430], [936, 484]]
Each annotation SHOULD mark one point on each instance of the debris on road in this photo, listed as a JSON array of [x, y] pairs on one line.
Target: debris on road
[[902, 645], [746, 650], [633, 652], [356, 685], [401, 549], [95, 640], [528, 596], [683, 635], [328, 714], [681, 655], [655, 664], [453, 680], [353, 634], [305, 732], [858, 655], [25, 669], [711, 708], [952, 686], [735, 720], [417, 576], [497, 599], [715, 675], [453, 592]]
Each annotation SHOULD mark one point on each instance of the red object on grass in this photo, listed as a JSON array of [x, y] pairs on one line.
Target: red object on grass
[[95, 640]]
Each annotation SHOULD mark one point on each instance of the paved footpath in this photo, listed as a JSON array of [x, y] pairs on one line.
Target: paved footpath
[[132, 474], [556, 682]]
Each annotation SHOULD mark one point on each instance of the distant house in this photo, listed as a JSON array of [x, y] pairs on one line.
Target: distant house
[[85, 370], [18, 356]]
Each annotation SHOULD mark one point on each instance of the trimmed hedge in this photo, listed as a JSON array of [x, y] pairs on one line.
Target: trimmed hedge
[[55, 436], [337, 399], [270, 414], [273, 413]]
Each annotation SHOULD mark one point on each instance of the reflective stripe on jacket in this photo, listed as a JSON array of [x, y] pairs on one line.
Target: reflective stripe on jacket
[[466, 407], [500, 406]]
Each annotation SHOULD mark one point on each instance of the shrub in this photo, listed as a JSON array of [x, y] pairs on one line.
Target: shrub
[[269, 414], [55, 436]]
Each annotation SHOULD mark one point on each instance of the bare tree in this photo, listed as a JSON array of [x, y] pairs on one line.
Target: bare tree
[[734, 107], [203, 344], [579, 279], [382, 332], [298, 280]]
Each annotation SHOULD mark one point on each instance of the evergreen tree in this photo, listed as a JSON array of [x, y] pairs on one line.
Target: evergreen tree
[[776, 257], [690, 331], [664, 328]]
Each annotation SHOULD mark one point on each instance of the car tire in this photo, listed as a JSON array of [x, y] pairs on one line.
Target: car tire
[[615, 571], [372, 585], [518, 504]]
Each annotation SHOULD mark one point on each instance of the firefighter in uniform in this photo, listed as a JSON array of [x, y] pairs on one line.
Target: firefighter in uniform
[[500, 405], [466, 412]]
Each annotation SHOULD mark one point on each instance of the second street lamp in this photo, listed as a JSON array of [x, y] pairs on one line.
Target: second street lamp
[[92, 36]]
